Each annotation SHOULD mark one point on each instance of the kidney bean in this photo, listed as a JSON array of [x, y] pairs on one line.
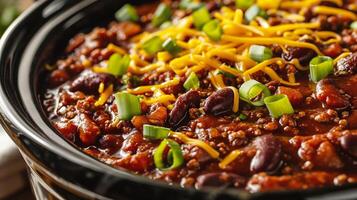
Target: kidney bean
[[330, 95], [89, 82], [303, 54], [111, 142], [222, 179], [347, 65], [294, 95], [88, 130], [190, 99], [220, 102], [269, 154], [349, 144]]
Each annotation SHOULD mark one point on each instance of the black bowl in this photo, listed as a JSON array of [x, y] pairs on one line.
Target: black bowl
[[57, 169]]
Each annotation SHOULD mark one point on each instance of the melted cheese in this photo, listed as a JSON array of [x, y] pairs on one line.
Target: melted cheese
[[142, 70], [270, 41], [116, 49], [261, 66], [151, 88], [297, 64], [334, 11], [185, 139], [229, 158], [235, 107], [104, 94], [164, 99], [274, 76]]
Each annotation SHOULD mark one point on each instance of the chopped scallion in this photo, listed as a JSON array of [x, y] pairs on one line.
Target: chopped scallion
[[213, 30], [118, 65], [253, 12], [190, 5], [155, 132], [127, 13], [153, 45], [165, 25], [171, 46], [278, 105], [162, 14], [192, 82], [174, 158], [260, 53], [128, 105], [254, 92], [354, 25], [320, 67], [242, 116], [201, 17], [244, 4]]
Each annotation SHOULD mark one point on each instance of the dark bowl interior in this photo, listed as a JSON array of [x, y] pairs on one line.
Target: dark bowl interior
[[38, 37]]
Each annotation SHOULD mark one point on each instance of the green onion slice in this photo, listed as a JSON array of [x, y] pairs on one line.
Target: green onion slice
[[260, 53], [253, 12], [254, 92], [117, 65], [127, 13], [244, 4], [278, 105], [166, 25], [128, 105], [320, 67], [155, 132], [242, 116], [174, 158], [190, 5], [192, 82], [171, 46], [201, 17], [213, 30], [162, 14], [354, 25], [153, 45]]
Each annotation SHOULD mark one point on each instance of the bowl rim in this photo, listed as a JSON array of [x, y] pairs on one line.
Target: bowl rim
[[17, 122]]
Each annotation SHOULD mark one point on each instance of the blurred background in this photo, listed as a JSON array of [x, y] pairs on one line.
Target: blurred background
[[14, 184]]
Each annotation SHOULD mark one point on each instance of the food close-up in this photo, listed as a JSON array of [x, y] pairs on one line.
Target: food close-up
[[253, 95]]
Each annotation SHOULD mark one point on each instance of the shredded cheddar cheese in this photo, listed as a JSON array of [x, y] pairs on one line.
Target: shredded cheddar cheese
[[269, 41], [185, 139], [334, 11], [229, 60], [151, 88], [116, 49], [229, 158], [104, 95]]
